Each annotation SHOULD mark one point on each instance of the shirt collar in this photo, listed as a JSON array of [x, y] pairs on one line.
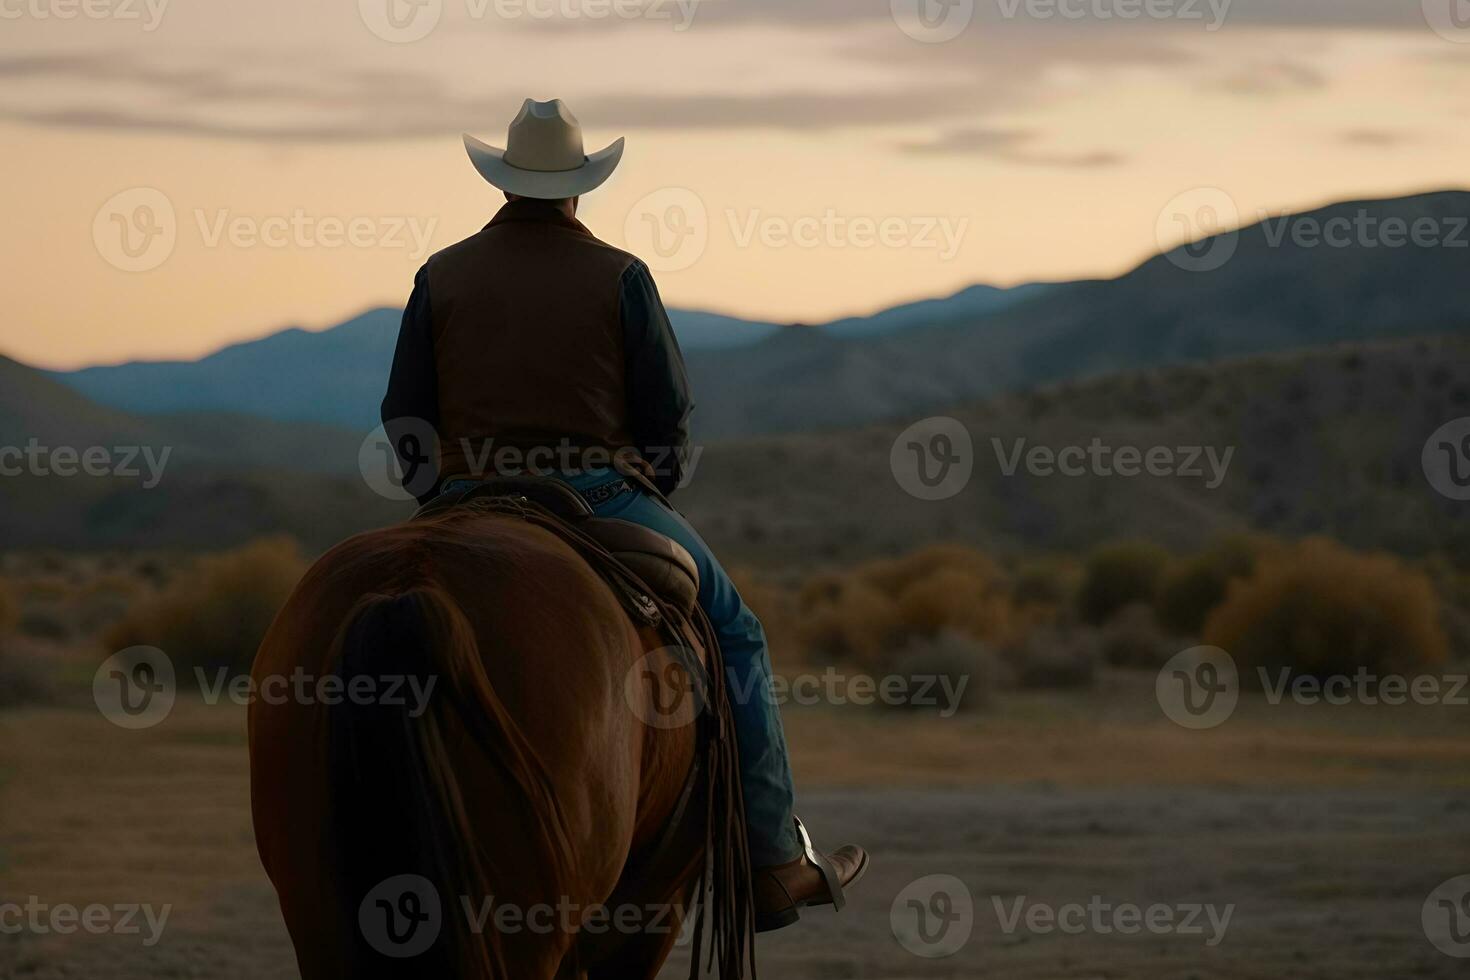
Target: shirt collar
[[530, 209]]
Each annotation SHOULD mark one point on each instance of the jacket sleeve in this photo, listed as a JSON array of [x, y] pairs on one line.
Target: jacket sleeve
[[657, 385], [410, 409]]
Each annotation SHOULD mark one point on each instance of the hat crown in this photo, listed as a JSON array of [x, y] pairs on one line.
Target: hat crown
[[545, 137]]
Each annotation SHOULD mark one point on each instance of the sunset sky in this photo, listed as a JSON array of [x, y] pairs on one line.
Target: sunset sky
[[182, 174]]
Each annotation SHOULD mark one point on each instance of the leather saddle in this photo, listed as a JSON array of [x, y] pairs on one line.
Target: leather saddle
[[664, 566]]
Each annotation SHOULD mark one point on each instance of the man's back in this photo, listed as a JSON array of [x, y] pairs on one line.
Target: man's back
[[528, 338], [533, 335]]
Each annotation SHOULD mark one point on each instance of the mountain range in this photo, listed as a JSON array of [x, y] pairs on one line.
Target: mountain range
[[1279, 290], [1324, 366], [1325, 440], [337, 376]]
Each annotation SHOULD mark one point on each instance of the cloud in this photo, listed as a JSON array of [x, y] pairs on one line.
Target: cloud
[[1326, 14], [1009, 145], [1269, 79], [327, 106], [1375, 138]]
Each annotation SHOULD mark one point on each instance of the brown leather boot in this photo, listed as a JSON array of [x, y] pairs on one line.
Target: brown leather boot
[[812, 879]]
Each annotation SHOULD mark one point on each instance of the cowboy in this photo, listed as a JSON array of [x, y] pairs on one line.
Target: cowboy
[[534, 342]]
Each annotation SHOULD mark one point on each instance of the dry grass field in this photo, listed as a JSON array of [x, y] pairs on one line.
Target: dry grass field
[[1324, 828]]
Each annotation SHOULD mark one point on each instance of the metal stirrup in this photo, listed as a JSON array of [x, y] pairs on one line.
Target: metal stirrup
[[829, 874]]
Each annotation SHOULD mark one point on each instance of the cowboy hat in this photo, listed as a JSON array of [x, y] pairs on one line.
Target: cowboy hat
[[543, 155]]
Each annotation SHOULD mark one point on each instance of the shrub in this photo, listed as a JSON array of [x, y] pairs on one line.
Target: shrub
[[870, 615], [24, 678], [1194, 586], [45, 623], [1320, 609], [962, 665], [9, 607], [895, 575], [1133, 638], [1045, 582], [957, 599], [1059, 657], [855, 623], [1117, 575], [216, 616]]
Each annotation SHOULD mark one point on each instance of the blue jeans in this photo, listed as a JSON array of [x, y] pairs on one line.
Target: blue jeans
[[765, 766]]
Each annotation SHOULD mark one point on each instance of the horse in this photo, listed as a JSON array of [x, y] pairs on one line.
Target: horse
[[515, 795]]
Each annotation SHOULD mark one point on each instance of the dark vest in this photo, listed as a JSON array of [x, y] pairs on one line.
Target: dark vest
[[528, 337]]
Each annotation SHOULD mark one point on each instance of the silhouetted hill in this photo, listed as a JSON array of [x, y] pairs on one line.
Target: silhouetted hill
[[1269, 296], [971, 301], [200, 480], [1322, 441], [334, 377]]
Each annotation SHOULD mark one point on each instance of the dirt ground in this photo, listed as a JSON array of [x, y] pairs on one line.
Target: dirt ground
[[1321, 833]]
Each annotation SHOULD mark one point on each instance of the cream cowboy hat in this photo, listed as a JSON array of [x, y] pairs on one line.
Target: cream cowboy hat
[[543, 155]]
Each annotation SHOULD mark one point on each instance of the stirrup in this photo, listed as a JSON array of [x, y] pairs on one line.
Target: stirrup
[[829, 874]]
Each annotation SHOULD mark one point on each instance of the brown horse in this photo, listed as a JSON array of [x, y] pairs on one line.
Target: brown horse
[[461, 782]]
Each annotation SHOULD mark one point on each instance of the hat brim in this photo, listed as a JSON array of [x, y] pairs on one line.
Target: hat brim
[[549, 185]]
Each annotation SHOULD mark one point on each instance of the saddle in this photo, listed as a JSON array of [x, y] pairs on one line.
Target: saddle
[[662, 565]]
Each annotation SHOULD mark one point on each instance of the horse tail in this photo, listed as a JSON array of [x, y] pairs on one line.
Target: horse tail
[[405, 842]]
